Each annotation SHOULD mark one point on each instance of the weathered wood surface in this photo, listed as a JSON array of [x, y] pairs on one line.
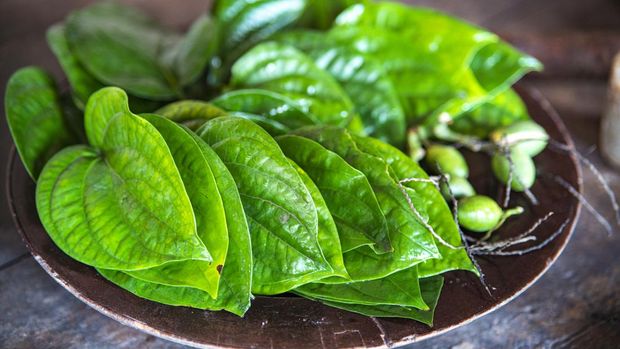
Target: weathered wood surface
[[576, 304]]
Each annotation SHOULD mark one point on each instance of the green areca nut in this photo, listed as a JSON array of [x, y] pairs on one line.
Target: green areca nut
[[525, 136], [459, 187], [523, 170], [479, 213], [444, 159]]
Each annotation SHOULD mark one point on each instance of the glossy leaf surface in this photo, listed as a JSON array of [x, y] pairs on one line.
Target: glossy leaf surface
[[346, 191], [362, 77], [286, 70], [411, 242], [281, 213], [431, 289], [35, 118], [429, 201], [98, 212], [400, 289], [203, 193], [268, 104]]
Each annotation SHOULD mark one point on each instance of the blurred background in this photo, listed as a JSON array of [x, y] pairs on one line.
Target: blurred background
[[576, 304]]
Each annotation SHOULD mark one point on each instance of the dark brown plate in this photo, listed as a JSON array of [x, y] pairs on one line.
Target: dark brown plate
[[291, 322]]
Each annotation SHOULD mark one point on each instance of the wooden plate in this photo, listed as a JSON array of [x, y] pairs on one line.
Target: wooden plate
[[292, 322]]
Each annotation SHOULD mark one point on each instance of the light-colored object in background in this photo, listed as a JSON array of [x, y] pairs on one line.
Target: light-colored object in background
[[610, 125]]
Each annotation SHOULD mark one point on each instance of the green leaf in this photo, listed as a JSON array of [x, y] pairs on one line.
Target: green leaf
[[280, 210], [123, 205], [272, 127], [362, 78], [430, 201], [284, 69], [170, 295], [102, 107], [268, 104], [191, 113], [422, 28], [191, 55], [431, 289], [245, 23], [346, 191], [400, 289], [438, 46], [499, 65], [201, 187], [35, 118], [503, 110], [83, 84], [327, 232], [123, 47], [320, 14], [411, 241], [236, 278]]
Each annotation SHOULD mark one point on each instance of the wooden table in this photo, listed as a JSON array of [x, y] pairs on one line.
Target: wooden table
[[576, 304]]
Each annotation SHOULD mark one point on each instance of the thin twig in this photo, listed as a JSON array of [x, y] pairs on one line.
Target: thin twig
[[530, 196], [530, 249], [417, 213], [464, 239], [516, 240], [561, 181], [599, 176], [511, 168], [534, 226]]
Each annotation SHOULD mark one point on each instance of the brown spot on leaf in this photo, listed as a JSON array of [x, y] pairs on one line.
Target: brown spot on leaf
[[219, 268]]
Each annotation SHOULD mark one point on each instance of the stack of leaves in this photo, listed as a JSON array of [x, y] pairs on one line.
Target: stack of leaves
[[267, 180]]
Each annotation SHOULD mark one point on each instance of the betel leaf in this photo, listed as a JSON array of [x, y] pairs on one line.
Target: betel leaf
[[431, 202], [426, 30], [495, 67], [203, 193], [281, 213], [245, 23], [193, 114], [189, 57], [286, 70], [170, 295], [418, 74], [499, 65], [320, 14], [411, 241], [123, 47], [35, 118], [327, 232], [401, 289], [236, 278], [121, 205], [346, 191], [503, 110], [431, 289], [266, 103], [190, 113], [362, 78], [83, 84], [272, 127], [438, 46]]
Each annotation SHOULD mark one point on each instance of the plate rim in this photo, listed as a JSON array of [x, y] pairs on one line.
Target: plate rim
[[126, 320]]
